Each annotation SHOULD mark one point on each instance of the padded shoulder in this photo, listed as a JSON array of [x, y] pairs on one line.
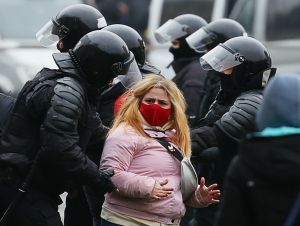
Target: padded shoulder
[[67, 104], [239, 120]]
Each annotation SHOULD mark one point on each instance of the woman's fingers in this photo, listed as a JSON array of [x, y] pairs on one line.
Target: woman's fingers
[[160, 191], [212, 187]]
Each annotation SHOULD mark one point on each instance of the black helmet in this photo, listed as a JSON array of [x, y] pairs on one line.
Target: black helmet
[[70, 24], [249, 59], [180, 26], [133, 40], [102, 56], [214, 33]]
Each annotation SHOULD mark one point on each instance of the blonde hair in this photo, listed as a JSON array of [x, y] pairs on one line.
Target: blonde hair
[[129, 111]]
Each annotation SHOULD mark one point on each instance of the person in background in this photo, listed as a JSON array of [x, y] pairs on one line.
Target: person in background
[[245, 66], [51, 127], [190, 77], [147, 175], [218, 97], [134, 14], [267, 159]]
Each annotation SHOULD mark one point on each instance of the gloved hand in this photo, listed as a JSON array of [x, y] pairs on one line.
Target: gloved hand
[[106, 184]]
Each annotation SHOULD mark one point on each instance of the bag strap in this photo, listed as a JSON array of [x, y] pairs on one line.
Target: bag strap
[[173, 150]]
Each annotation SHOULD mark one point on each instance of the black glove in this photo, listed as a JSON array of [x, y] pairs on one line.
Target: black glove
[[106, 184]]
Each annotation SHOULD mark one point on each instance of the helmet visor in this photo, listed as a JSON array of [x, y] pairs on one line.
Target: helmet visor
[[170, 31], [132, 76], [220, 59], [51, 33], [200, 39]]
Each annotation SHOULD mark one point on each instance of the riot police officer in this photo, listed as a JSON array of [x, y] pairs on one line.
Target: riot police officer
[[190, 77], [65, 29], [136, 45], [51, 127], [245, 64], [202, 41]]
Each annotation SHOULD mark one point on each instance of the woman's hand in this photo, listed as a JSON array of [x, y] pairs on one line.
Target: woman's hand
[[207, 195], [160, 191]]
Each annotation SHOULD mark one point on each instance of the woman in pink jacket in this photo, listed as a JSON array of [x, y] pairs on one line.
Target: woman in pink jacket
[[147, 175]]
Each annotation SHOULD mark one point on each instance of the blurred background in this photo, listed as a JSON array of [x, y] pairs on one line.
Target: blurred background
[[274, 22]]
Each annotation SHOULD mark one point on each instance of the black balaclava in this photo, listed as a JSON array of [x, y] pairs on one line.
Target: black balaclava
[[184, 51], [228, 90], [182, 55], [69, 42]]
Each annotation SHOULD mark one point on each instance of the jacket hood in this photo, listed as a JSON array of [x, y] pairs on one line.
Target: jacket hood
[[281, 105]]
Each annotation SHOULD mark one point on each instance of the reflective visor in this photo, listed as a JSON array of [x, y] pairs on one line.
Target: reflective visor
[[51, 33], [220, 59], [200, 39], [170, 31]]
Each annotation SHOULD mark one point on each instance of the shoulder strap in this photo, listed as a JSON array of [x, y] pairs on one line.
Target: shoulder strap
[[173, 150]]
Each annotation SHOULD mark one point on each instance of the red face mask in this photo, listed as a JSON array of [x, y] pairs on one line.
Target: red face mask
[[154, 114]]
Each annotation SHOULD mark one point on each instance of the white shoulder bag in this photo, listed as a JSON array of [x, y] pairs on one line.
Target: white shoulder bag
[[189, 177]]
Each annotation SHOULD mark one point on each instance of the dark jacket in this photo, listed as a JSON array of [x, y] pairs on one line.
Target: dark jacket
[[262, 182], [198, 90], [225, 134], [53, 115]]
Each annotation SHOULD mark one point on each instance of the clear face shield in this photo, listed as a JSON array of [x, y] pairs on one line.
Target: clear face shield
[[132, 76], [170, 31], [200, 39], [51, 33], [220, 59]]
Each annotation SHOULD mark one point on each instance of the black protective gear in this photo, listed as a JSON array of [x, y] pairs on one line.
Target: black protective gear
[[249, 59], [179, 27], [133, 40], [66, 105], [6, 105], [214, 33], [101, 56], [33, 209], [53, 116], [70, 24], [239, 120]]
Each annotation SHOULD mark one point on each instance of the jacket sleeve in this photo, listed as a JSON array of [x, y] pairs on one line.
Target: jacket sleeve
[[118, 153], [202, 139], [60, 138], [239, 120]]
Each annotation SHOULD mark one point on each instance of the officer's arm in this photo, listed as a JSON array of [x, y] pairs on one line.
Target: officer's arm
[[96, 144], [202, 139], [239, 121], [59, 134]]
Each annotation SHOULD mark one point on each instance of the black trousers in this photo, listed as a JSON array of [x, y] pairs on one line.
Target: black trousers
[[34, 209]]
